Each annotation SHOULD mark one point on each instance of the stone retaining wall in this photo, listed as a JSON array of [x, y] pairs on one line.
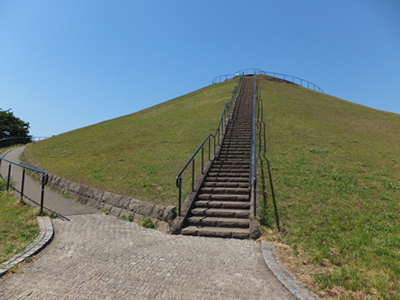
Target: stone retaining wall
[[117, 205]]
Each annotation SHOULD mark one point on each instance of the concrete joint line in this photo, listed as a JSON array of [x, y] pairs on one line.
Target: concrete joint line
[[284, 277], [42, 240]]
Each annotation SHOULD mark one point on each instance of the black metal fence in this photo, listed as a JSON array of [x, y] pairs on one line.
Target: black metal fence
[[44, 179], [208, 146], [253, 152], [255, 71]]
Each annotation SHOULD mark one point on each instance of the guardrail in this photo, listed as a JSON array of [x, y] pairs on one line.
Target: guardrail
[[253, 152], [44, 179], [11, 141], [255, 71], [217, 137], [262, 155]]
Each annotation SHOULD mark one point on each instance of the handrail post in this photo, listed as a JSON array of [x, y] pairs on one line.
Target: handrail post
[[42, 194], [9, 176], [22, 184], [202, 159], [209, 145], [180, 195], [193, 176]]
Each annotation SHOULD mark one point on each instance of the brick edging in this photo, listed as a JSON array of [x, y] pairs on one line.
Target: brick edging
[[117, 205], [42, 240]]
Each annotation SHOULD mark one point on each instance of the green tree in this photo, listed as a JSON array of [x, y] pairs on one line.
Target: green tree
[[11, 126]]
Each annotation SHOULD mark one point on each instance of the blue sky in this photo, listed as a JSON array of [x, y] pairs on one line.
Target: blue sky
[[67, 64]]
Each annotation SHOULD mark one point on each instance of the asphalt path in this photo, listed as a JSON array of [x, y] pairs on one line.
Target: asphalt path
[[53, 201]]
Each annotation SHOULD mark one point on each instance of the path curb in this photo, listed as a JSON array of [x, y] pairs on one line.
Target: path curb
[[288, 281], [43, 239]]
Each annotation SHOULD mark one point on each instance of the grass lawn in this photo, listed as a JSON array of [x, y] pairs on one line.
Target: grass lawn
[[18, 225], [334, 163], [337, 181], [138, 155]]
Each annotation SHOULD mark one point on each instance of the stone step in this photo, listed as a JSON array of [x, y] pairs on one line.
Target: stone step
[[222, 204], [236, 233], [226, 184], [228, 169], [224, 191], [227, 179], [224, 197], [228, 174], [219, 222]]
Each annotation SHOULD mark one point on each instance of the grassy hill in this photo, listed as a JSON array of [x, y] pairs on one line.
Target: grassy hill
[[138, 155], [334, 163], [337, 178]]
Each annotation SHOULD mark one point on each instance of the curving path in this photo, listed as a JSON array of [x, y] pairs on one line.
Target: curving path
[[96, 256]]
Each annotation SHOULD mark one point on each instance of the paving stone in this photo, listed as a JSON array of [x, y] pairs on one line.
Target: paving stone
[[98, 256]]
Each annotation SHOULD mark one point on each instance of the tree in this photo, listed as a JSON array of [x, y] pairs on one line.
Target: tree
[[11, 126]]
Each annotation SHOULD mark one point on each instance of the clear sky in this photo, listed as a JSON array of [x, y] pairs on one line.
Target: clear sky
[[67, 64]]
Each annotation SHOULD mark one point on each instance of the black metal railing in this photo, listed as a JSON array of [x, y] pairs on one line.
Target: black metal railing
[[262, 149], [44, 179], [253, 152], [12, 141], [217, 140], [255, 71]]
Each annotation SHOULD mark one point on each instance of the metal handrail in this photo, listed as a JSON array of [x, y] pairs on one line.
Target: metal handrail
[[223, 123], [45, 178], [10, 141], [253, 151], [255, 71], [7, 142], [262, 133]]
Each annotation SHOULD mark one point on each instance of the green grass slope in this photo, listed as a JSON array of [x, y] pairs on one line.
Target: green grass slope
[[138, 155], [337, 178], [334, 164]]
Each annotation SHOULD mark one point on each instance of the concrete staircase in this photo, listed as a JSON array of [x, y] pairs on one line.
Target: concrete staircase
[[222, 207]]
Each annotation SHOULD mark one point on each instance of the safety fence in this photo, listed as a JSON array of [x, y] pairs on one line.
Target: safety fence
[[254, 71]]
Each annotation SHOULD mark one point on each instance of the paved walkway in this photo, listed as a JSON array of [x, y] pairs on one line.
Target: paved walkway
[[52, 201], [95, 256]]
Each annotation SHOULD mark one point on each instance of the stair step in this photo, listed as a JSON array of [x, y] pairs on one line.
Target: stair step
[[224, 191], [227, 179], [221, 212], [228, 174], [224, 197], [218, 222], [226, 184], [227, 169], [237, 233], [222, 204]]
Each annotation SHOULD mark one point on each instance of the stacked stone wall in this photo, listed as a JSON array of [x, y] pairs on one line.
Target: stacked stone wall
[[117, 205]]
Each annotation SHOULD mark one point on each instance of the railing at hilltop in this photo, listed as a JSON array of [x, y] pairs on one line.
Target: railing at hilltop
[[255, 71], [11, 141], [217, 138]]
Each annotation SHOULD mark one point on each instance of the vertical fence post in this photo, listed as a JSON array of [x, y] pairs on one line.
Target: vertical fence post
[[42, 195], [9, 176], [193, 176], [22, 184], [209, 148], [180, 195], [202, 159]]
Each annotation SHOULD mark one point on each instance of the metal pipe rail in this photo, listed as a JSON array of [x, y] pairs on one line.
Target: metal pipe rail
[[262, 155], [253, 152], [255, 71], [223, 123], [7, 142], [44, 179]]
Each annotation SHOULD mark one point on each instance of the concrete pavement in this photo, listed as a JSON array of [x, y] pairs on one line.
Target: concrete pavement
[[97, 256]]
